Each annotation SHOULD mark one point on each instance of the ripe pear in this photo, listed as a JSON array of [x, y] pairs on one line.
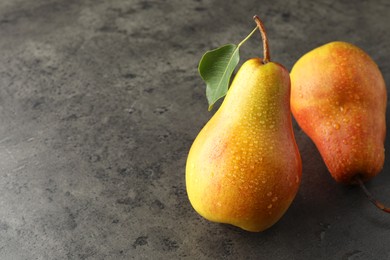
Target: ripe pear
[[338, 97], [244, 166]]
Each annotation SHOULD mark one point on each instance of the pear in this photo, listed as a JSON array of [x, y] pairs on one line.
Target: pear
[[244, 166], [338, 97]]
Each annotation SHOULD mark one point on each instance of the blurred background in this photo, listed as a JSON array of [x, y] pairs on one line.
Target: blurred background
[[100, 101]]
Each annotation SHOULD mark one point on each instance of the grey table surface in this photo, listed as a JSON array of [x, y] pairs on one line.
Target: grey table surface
[[100, 101]]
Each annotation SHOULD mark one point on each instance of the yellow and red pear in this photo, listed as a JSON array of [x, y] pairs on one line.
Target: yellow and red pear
[[338, 97], [244, 166]]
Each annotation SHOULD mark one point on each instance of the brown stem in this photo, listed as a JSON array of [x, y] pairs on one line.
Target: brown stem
[[371, 198], [264, 38]]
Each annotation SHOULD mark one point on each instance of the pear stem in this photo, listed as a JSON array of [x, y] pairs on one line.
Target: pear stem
[[370, 197], [261, 27]]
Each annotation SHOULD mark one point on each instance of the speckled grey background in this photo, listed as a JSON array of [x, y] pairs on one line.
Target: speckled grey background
[[100, 101]]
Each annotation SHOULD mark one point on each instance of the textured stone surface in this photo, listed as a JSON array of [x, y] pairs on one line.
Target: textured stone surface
[[100, 101]]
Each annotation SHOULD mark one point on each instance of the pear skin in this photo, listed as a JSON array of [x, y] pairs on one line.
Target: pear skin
[[244, 166], [338, 98]]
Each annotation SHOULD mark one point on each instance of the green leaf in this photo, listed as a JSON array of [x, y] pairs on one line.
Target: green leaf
[[216, 68]]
